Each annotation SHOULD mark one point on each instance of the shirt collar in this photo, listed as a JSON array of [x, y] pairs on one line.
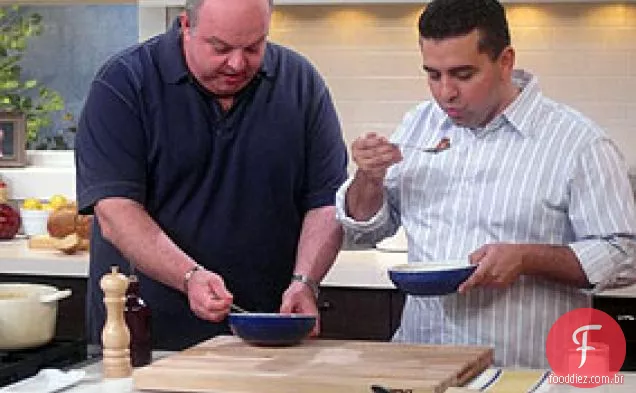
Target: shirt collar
[[521, 113], [172, 61]]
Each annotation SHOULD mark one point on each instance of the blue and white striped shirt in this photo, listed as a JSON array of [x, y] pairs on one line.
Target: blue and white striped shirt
[[538, 173]]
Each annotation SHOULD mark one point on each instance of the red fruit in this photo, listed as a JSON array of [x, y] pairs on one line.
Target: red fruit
[[9, 221]]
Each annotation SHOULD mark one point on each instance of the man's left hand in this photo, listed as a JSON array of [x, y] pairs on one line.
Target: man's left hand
[[299, 299], [498, 265]]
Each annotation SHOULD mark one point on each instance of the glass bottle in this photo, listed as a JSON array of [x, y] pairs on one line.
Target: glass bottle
[[138, 317], [10, 219]]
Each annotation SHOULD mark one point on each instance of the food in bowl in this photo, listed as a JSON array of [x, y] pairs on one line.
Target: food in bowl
[[430, 279], [272, 329]]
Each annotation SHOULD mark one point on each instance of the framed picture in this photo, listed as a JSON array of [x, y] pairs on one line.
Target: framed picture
[[12, 139]]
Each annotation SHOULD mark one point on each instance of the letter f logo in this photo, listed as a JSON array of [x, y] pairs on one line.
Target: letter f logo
[[584, 347]]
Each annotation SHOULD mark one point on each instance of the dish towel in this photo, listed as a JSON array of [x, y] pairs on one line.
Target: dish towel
[[497, 380]]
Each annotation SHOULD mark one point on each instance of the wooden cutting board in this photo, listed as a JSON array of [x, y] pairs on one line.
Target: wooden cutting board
[[228, 365]]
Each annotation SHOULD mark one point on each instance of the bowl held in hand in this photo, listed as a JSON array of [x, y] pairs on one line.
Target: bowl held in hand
[[271, 329], [430, 278]]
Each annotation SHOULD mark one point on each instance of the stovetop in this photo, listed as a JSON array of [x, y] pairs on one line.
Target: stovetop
[[60, 353]]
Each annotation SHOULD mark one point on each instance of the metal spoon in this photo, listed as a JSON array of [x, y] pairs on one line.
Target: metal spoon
[[443, 144], [433, 150], [237, 308], [234, 307]]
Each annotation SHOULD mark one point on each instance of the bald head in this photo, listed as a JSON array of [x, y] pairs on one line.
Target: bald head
[[224, 42], [192, 7]]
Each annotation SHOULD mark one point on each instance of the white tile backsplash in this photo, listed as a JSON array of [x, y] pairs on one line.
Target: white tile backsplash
[[583, 53]]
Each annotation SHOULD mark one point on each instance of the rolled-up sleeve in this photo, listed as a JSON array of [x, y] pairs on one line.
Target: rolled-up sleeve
[[603, 216], [364, 232]]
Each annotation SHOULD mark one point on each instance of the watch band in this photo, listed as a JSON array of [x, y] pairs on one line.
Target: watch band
[[188, 275], [313, 285]]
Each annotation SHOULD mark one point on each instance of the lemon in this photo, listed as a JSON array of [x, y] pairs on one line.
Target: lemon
[[31, 204], [58, 201], [47, 206]]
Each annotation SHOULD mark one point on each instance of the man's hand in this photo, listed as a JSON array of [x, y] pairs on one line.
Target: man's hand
[[208, 297], [299, 299], [373, 155], [498, 265]]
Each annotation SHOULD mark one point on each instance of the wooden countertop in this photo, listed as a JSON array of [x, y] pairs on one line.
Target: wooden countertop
[[93, 382]]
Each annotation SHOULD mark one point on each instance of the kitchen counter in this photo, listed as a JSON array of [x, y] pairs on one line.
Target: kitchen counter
[[17, 258], [357, 269], [94, 383], [365, 269]]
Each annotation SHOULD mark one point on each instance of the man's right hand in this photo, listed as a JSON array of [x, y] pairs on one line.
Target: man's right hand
[[374, 154], [208, 297]]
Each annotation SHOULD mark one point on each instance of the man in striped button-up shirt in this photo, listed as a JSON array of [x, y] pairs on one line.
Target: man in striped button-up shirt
[[530, 190]]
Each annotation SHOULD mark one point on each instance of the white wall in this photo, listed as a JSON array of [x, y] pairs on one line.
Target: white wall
[[584, 55]]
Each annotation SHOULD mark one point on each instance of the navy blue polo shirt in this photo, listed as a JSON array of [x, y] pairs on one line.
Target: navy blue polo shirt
[[230, 189]]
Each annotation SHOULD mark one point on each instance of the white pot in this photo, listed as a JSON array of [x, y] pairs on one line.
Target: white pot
[[28, 313]]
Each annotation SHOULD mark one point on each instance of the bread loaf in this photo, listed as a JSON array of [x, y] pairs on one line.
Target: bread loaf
[[83, 226], [61, 222], [68, 244], [41, 242]]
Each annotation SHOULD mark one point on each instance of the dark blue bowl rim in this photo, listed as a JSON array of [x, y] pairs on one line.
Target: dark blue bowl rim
[[265, 315], [421, 268]]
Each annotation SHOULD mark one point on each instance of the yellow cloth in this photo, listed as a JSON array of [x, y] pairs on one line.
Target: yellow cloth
[[510, 381]]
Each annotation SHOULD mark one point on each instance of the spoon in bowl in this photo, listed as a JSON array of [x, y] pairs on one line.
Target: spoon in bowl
[[237, 308]]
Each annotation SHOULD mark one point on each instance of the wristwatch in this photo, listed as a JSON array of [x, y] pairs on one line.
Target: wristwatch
[[188, 275], [313, 285]]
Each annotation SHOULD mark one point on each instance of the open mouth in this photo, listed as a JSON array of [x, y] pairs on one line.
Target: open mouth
[[453, 112]]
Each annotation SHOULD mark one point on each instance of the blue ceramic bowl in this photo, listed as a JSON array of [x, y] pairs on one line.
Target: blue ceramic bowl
[[430, 279], [271, 329]]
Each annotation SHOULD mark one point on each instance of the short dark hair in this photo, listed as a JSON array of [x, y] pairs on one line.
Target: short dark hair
[[452, 18]]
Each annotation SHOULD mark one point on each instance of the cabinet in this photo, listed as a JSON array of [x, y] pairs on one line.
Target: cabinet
[[71, 321], [359, 313], [623, 310]]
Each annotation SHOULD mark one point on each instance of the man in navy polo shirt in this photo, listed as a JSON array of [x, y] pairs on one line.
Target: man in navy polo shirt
[[210, 159]]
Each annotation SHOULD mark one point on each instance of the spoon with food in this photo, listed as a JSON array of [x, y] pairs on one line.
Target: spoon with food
[[443, 144]]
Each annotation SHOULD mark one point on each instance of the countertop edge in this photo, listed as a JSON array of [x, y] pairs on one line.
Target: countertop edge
[[365, 269]]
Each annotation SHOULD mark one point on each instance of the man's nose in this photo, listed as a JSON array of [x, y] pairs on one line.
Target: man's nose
[[448, 90], [236, 60]]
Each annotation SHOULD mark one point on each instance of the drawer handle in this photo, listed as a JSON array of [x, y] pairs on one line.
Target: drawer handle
[[325, 305], [625, 318]]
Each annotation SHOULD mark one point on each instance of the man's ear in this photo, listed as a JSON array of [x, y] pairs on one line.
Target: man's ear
[[507, 61], [185, 23]]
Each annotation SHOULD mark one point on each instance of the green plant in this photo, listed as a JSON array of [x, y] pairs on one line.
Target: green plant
[[26, 96], [64, 139]]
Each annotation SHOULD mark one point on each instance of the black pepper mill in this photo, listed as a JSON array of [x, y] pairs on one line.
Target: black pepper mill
[[137, 315]]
